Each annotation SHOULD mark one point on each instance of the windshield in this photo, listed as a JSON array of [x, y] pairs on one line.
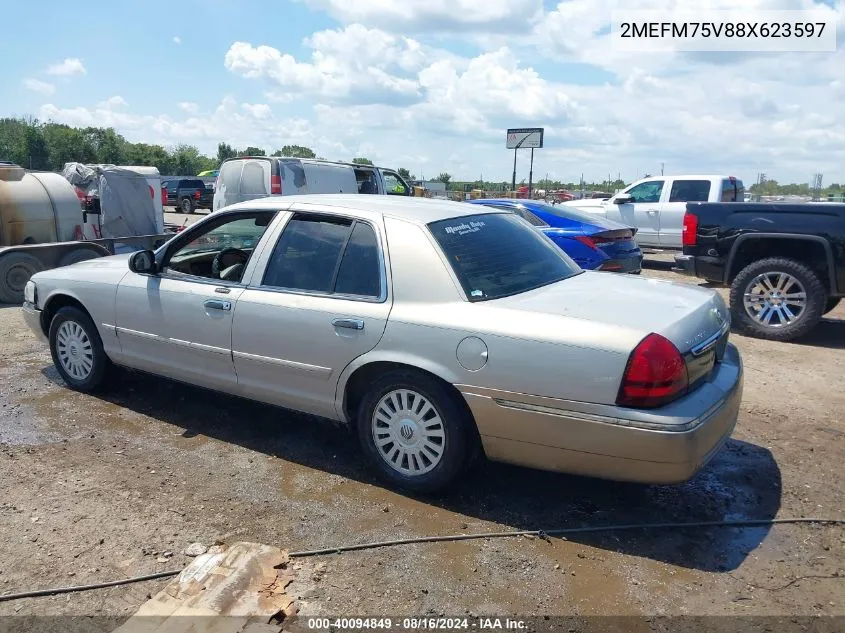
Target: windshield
[[498, 254]]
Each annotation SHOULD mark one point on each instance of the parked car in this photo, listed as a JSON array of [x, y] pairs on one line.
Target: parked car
[[187, 194], [784, 263], [595, 243], [655, 206], [253, 177], [434, 329]]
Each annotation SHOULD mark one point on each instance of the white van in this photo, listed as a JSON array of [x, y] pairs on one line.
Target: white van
[[252, 177]]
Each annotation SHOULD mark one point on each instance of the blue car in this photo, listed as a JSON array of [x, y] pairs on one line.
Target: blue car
[[594, 242]]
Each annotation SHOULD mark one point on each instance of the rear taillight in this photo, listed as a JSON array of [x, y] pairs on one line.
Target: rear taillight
[[655, 375], [689, 234], [197, 194], [275, 185], [164, 196]]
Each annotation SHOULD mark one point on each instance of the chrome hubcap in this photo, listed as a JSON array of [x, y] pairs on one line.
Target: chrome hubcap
[[775, 299], [74, 350], [408, 432]]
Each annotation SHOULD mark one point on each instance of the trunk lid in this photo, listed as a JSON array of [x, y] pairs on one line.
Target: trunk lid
[[686, 315]]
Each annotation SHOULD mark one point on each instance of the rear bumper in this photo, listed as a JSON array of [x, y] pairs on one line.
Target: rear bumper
[[32, 317], [561, 436], [623, 265], [685, 264]]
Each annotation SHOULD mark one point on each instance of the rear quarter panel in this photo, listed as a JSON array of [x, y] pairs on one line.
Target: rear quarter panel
[[536, 354]]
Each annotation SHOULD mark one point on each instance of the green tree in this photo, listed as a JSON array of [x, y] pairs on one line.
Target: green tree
[[406, 175], [34, 151], [67, 145], [109, 146], [225, 152], [444, 177], [186, 160], [252, 151], [362, 161], [295, 151], [152, 155]]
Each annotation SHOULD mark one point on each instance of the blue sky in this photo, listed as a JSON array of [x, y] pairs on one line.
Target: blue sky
[[430, 85]]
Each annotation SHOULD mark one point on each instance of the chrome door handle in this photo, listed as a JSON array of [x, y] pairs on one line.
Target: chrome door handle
[[217, 304], [652, 211], [350, 324]]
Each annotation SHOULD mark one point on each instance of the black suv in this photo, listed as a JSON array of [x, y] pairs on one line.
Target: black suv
[[187, 194]]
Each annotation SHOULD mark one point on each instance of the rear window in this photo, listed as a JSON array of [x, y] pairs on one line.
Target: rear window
[[193, 184], [498, 255], [733, 190], [253, 181], [568, 213], [230, 175]]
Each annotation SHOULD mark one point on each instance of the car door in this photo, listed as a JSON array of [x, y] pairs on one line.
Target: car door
[[643, 211], [321, 301], [681, 191], [178, 323]]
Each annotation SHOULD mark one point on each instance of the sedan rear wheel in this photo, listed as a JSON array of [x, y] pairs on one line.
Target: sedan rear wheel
[[414, 432], [77, 349]]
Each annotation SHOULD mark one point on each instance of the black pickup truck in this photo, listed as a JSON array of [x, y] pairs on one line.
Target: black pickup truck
[[784, 263], [187, 194]]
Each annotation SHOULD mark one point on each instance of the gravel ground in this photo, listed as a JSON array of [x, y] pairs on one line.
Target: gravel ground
[[99, 488]]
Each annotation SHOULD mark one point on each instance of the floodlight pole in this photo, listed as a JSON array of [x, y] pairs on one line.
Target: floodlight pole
[[531, 174], [513, 182]]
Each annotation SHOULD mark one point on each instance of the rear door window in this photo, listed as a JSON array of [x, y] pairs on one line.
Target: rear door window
[[690, 191], [360, 269]]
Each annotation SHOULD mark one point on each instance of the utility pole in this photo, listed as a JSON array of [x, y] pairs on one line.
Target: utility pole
[[513, 182], [530, 174], [661, 169]]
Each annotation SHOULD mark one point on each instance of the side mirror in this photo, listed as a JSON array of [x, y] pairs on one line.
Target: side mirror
[[623, 198], [143, 263]]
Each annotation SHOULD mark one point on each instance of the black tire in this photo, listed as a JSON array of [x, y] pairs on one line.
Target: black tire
[[77, 255], [831, 304], [806, 321], [99, 361], [459, 435], [186, 205], [15, 271]]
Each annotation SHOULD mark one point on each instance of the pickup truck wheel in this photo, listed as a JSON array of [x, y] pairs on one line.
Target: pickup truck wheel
[[77, 349], [413, 432], [187, 205], [15, 271], [831, 304], [777, 299]]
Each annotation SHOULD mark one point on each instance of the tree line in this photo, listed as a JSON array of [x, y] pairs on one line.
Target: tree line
[[47, 146]]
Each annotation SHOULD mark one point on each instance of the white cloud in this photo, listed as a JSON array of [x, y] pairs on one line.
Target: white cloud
[[365, 89], [427, 16], [112, 102], [69, 67], [257, 110], [41, 87], [177, 39]]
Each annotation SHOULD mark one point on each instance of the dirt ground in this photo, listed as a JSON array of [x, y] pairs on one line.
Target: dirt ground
[[99, 488]]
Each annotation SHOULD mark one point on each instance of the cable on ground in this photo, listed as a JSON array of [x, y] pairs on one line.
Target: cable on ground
[[544, 534]]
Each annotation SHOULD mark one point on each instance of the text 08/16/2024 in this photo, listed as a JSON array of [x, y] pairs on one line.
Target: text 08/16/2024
[[732, 31]]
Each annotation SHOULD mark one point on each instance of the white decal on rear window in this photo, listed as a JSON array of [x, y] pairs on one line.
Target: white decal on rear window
[[463, 229]]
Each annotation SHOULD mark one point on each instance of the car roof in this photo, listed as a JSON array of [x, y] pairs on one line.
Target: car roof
[[416, 210], [313, 161]]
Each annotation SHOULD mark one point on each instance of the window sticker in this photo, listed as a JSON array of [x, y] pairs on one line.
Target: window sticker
[[464, 228]]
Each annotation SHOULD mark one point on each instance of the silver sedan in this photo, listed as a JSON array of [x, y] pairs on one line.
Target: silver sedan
[[436, 330]]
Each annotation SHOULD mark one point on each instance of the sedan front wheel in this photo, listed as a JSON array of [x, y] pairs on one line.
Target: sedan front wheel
[[413, 431], [77, 349]]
